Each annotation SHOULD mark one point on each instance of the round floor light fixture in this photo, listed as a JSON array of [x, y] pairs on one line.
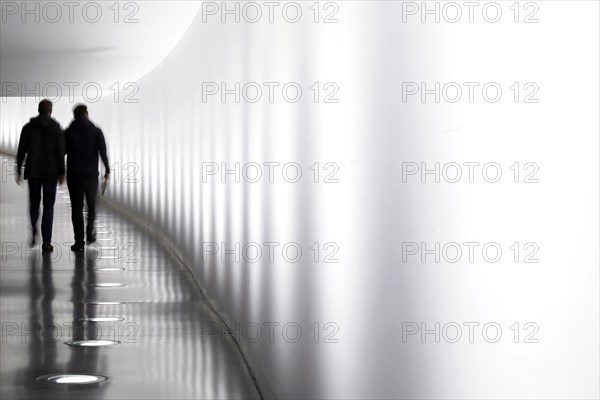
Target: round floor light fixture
[[108, 284], [71, 379], [92, 343], [109, 269]]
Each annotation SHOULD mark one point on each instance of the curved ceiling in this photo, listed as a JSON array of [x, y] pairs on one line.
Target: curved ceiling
[[103, 43]]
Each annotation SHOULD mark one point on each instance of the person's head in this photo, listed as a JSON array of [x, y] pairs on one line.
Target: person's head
[[45, 107], [80, 111]]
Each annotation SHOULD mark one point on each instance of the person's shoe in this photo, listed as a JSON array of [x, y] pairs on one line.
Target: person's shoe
[[78, 247], [47, 247], [91, 238]]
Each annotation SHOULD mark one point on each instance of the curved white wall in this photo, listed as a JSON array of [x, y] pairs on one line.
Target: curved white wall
[[88, 48], [171, 133]]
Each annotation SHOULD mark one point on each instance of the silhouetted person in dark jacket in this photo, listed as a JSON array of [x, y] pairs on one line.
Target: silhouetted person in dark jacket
[[42, 142], [84, 143]]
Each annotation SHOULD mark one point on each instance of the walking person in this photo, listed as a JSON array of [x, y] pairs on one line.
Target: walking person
[[85, 142], [42, 147]]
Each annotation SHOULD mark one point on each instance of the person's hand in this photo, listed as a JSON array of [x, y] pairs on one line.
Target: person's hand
[[104, 183], [18, 179], [61, 179]]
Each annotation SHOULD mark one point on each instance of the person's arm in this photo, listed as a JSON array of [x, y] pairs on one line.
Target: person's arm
[[66, 136], [61, 149], [22, 151], [102, 151]]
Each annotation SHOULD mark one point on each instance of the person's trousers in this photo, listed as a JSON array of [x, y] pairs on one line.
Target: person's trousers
[[37, 186], [80, 187]]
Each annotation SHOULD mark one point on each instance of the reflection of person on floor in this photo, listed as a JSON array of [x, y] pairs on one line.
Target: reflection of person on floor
[[42, 142], [85, 142], [83, 359], [43, 333]]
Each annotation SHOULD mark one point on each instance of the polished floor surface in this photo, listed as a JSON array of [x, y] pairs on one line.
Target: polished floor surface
[[156, 320]]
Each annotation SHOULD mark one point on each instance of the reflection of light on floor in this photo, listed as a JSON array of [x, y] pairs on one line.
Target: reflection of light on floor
[[102, 319], [92, 343], [72, 379], [105, 303], [109, 269], [110, 284]]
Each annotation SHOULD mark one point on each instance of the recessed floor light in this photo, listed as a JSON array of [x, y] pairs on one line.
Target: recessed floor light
[[109, 284], [74, 379], [92, 343], [109, 269], [102, 319]]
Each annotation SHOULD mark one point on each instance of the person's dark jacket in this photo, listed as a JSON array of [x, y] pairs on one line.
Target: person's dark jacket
[[42, 141], [85, 142]]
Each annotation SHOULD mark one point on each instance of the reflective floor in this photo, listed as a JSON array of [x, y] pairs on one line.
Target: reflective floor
[[150, 341]]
